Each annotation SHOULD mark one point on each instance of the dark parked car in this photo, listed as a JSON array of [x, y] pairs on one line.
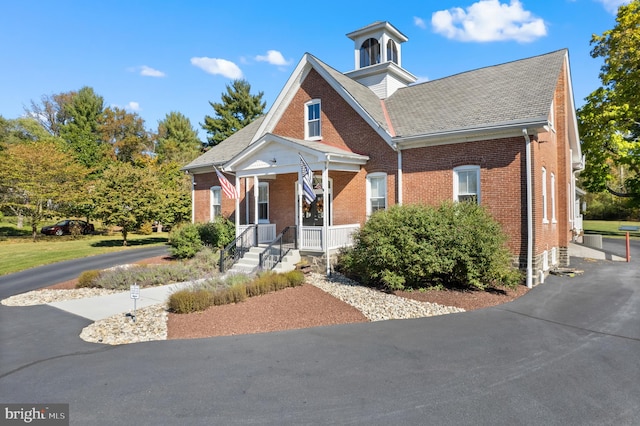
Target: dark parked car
[[65, 227]]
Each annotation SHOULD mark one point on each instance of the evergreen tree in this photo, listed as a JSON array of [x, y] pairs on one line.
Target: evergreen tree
[[177, 140], [237, 109]]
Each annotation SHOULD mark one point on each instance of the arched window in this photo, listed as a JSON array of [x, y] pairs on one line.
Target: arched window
[[369, 53], [392, 51]]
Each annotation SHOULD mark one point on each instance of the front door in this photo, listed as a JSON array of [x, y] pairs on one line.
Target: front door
[[313, 214]]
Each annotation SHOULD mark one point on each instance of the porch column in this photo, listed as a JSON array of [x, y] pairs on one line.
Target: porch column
[[237, 200], [255, 198], [325, 215]]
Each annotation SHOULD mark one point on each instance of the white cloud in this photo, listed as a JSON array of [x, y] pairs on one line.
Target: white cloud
[[489, 20], [612, 5], [151, 72], [217, 66], [419, 22], [273, 57], [133, 106]]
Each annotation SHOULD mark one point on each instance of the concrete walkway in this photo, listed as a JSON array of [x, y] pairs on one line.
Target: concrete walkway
[[100, 307], [582, 251]]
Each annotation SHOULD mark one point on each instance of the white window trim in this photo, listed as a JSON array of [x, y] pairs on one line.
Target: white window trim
[[553, 198], [456, 181], [545, 217], [264, 184], [368, 190], [213, 189], [306, 120]]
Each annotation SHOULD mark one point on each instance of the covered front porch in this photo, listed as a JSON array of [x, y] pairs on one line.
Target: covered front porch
[[271, 173]]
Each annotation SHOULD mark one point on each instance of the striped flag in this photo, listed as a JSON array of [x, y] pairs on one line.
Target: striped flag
[[307, 181], [228, 189]]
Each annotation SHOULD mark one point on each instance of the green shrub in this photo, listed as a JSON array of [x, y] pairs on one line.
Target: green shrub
[[414, 246], [185, 241], [146, 229], [88, 279], [189, 300], [296, 278], [218, 233]]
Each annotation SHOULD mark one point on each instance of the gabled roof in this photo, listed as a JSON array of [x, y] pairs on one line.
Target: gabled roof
[[358, 96], [226, 149], [506, 94]]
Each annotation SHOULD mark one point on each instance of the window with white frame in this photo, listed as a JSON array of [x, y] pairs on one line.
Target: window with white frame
[[216, 202], [545, 217], [553, 198], [263, 202], [313, 129], [466, 184], [376, 192]]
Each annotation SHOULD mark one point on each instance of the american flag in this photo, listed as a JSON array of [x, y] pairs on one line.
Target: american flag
[[228, 189], [307, 181]]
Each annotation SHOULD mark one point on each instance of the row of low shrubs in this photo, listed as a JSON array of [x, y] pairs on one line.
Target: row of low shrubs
[[189, 239], [236, 289], [203, 265], [454, 245]]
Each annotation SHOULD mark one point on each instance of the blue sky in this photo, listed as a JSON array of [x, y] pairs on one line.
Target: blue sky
[[154, 57]]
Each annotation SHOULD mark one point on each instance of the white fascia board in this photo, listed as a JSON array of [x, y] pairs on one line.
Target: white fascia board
[[573, 134], [471, 135], [284, 97]]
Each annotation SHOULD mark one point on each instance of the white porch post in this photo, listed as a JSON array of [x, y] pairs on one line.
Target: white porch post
[[255, 199], [237, 212], [325, 215], [299, 216]]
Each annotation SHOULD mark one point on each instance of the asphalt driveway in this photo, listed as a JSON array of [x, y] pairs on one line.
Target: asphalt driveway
[[568, 352]]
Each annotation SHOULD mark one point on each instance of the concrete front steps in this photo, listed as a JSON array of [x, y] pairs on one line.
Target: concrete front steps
[[249, 262]]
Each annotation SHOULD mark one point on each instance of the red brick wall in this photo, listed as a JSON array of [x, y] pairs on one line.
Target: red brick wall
[[428, 178], [202, 198], [551, 151]]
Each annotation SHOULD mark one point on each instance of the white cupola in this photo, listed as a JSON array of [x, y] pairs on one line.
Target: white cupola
[[378, 59]]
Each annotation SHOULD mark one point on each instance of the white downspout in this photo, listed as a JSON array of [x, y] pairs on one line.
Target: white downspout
[[193, 198], [399, 175], [529, 210]]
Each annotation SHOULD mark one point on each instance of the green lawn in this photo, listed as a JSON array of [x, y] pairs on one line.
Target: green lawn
[[19, 252], [609, 227]]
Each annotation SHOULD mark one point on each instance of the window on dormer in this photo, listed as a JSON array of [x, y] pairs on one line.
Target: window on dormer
[[369, 53], [313, 130], [392, 51]]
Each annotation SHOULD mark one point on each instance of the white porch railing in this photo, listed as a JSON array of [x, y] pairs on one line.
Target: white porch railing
[[312, 237], [577, 223], [266, 232]]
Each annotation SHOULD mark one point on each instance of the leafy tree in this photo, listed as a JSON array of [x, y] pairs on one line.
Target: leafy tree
[[51, 112], [177, 139], [125, 133], [237, 109], [610, 120], [174, 188], [38, 179], [127, 196], [81, 128]]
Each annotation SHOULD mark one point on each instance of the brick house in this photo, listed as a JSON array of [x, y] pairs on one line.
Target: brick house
[[504, 136]]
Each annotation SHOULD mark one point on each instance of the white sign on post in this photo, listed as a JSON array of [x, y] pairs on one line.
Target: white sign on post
[[135, 291]]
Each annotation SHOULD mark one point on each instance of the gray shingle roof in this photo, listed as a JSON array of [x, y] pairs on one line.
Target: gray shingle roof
[[228, 148], [497, 95]]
